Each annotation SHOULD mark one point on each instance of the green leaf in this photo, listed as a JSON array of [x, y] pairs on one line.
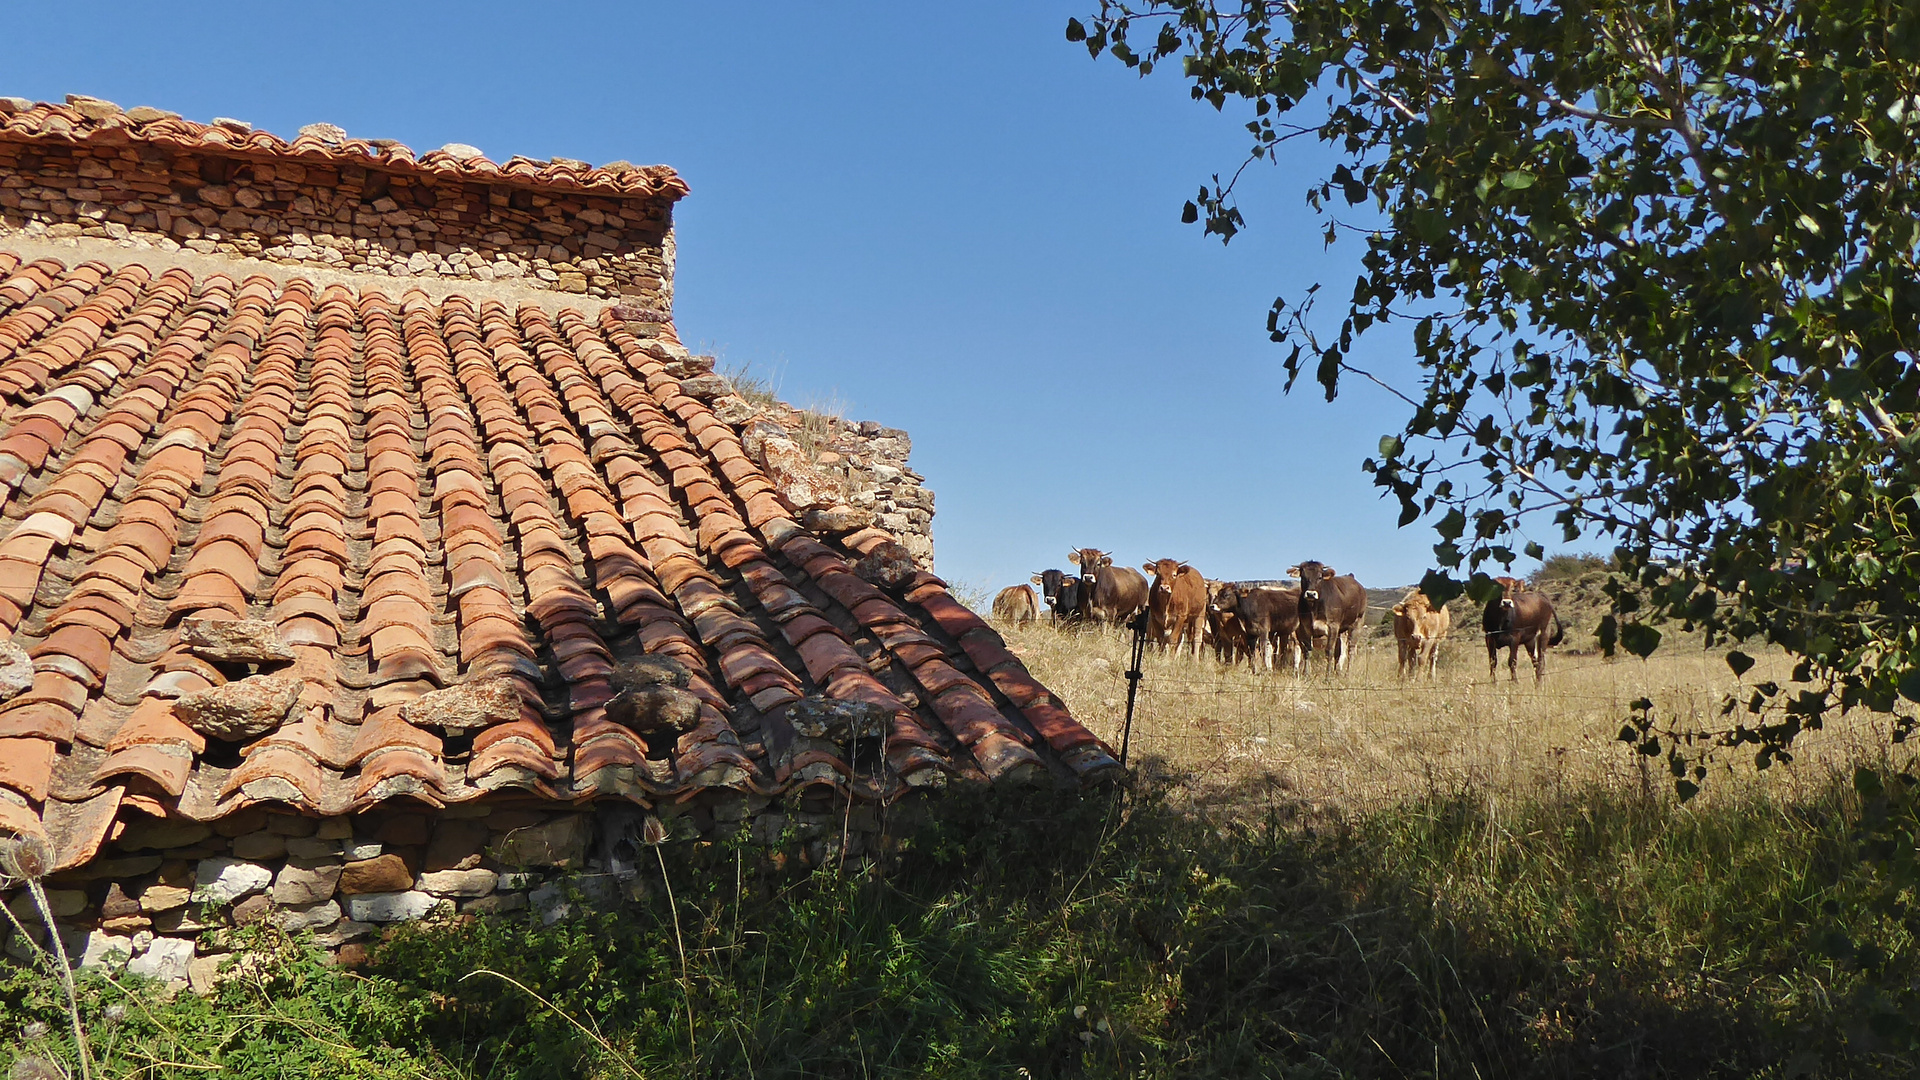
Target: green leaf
[[1076, 31], [1189, 214], [1686, 789], [1867, 783], [1740, 662], [1639, 639], [1517, 180], [1910, 685], [1389, 445]]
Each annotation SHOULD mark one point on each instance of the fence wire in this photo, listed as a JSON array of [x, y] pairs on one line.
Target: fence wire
[[1367, 736]]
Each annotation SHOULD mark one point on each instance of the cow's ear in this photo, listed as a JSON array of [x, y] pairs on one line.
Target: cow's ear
[[1293, 571], [1037, 580], [1147, 566], [1105, 560], [1073, 556], [1327, 572], [1399, 609]]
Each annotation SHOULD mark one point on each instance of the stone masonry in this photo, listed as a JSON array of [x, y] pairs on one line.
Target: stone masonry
[[340, 216]]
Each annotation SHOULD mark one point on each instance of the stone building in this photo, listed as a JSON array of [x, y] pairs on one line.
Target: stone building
[[372, 548]]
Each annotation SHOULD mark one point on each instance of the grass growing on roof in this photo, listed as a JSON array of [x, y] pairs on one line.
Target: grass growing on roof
[[1460, 931]]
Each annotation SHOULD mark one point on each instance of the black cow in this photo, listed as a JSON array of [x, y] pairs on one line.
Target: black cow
[[1519, 619], [1060, 591]]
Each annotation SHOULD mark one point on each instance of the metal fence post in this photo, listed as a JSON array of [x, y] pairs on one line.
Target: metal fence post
[[1139, 627]]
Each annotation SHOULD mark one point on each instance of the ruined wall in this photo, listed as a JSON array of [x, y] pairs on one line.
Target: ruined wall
[[841, 476], [164, 898], [341, 217]]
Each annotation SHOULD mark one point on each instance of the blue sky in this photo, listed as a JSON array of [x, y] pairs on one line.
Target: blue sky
[[942, 217]]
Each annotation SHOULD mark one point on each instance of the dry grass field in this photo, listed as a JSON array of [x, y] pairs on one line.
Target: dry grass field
[[1369, 738]]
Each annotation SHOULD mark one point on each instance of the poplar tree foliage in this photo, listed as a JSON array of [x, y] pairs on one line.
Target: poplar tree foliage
[[1658, 257]]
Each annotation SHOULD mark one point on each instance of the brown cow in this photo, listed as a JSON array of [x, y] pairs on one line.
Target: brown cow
[[1015, 604], [1331, 608], [1176, 604], [1419, 627], [1108, 593], [1224, 630], [1270, 617], [1519, 619]]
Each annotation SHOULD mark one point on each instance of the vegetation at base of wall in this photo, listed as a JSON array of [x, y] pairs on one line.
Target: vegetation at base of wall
[[1461, 933]]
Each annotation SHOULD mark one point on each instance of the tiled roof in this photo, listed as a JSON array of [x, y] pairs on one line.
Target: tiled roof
[[520, 506], [96, 122]]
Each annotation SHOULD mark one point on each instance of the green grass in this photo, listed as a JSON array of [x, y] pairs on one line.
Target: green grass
[[1453, 935]]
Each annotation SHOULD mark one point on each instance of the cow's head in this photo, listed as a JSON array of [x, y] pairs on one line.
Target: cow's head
[[1049, 582], [1311, 573], [1089, 560], [1510, 587], [1415, 603], [1223, 596], [1162, 571]]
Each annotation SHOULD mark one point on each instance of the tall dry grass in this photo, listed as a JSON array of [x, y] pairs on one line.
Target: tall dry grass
[[1368, 738]]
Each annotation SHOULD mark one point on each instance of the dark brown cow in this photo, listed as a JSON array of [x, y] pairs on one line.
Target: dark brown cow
[[1224, 630], [1520, 619], [1015, 604], [1331, 609], [1270, 617], [1108, 593], [1176, 604], [1419, 627]]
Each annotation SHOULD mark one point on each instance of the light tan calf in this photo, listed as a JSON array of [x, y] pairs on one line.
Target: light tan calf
[[1419, 627]]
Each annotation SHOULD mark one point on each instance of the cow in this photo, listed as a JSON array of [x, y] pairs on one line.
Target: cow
[[1419, 627], [1176, 604], [1050, 582], [1518, 619], [1268, 617], [1229, 637], [1108, 593], [1072, 590], [1331, 608], [1015, 604]]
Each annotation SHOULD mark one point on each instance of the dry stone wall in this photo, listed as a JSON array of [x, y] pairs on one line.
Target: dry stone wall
[[166, 898], [341, 217], [841, 476]]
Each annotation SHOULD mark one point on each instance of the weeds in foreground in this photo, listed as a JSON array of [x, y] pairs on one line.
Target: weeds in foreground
[[1457, 934]]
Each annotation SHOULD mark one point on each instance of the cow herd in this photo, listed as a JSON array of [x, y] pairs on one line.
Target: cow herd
[[1269, 625]]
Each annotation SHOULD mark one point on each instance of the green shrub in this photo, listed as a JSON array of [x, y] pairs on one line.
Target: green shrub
[[1587, 934]]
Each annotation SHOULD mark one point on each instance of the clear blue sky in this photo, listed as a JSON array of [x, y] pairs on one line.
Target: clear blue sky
[[943, 217]]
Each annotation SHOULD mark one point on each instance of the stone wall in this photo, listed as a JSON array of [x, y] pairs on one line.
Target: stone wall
[[341, 217], [164, 898], [842, 476]]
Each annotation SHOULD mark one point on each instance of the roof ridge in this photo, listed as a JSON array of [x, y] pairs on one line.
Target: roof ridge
[[89, 119]]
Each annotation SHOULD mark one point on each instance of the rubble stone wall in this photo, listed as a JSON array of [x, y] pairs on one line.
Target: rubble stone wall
[[842, 476], [165, 898], [341, 217]]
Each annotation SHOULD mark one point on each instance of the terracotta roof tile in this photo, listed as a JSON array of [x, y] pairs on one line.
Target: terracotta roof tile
[[66, 124], [418, 493]]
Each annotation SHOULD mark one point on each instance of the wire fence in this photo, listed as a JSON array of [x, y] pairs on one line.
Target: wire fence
[[1366, 736]]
